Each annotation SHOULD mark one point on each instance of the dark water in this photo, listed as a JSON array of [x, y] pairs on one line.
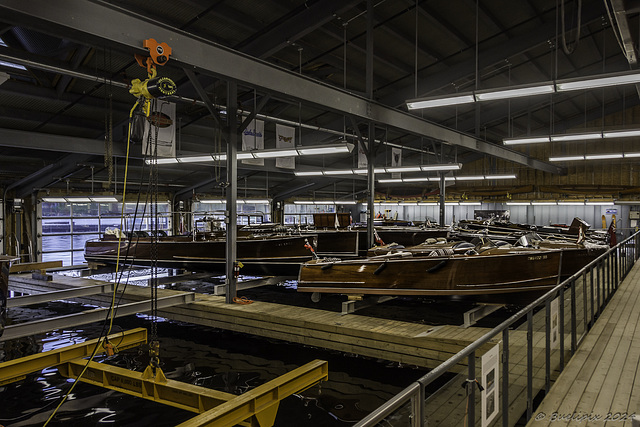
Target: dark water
[[212, 358]]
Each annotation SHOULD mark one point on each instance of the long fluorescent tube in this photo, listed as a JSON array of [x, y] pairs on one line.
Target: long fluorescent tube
[[408, 203], [469, 178], [403, 169], [595, 82], [308, 173], [442, 167], [266, 154], [621, 133], [505, 176], [576, 136], [388, 181], [599, 203], [529, 90], [193, 159], [338, 172], [470, 204], [571, 203], [421, 179], [631, 155], [54, 199], [528, 140], [544, 203], [240, 201], [514, 93], [104, 199], [451, 203], [415, 104], [565, 158], [345, 147], [604, 156], [162, 161]]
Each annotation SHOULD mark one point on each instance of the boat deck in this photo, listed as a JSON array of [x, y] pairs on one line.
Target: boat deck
[[404, 342], [600, 386]]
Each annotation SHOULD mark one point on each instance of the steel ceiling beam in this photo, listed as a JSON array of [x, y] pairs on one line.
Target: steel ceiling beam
[[97, 22]]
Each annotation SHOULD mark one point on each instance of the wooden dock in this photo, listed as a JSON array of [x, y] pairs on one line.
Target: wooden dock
[[410, 343], [600, 384]]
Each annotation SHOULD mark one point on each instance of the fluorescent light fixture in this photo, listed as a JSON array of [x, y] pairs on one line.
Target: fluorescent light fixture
[[527, 140], [427, 203], [599, 203], [565, 158], [518, 203], [442, 167], [54, 199], [469, 178], [470, 203], [604, 156], [239, 201], [213, 201], [622, 133], [219, 157], [451, 203], [627, 202], [595, 82], [415, 104], [631, 155], [387, 181], [104, 199], [323, 202], [346, 202], [308, 173], [403, 169], [571, 203], [311, 150], [303, 202], [544, 203], [162, 161], [257, 201], [338, 172], [78, 199], [408, 203], [275, 153], [505, 176], [515, 93], [360, 171], [193, 159], [422, 179], [243, 155], [576, 136]]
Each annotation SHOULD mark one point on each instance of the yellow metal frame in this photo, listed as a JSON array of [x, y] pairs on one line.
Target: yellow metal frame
[[17, 369], [262, 402], [260, 405]]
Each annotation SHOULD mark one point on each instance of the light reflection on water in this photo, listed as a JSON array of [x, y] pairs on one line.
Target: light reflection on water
[[212, 358]]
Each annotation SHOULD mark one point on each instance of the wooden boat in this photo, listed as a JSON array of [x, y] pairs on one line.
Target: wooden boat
[[5, 265], [445, 268], [260, 255]]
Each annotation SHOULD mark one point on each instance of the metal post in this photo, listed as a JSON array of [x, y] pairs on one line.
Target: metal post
[[598, 274], [505, 377], [417, 408], [471, 391], [561, 326], [593, 313], [442, 197], [584, 301], [232, 191], [574, 326], [529, 364], [371, 189], [547, 346]]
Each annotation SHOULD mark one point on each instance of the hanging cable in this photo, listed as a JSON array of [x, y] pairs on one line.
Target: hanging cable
[[570, 49]]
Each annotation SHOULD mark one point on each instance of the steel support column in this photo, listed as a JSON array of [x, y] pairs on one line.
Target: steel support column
[[232, 190], [441, 199], [371, 185]]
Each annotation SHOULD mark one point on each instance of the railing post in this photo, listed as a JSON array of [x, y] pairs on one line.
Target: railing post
[[547, 346], [598, 287], [471, 391], [529, 364], [505, 377], [417, 408], [561, 326], [574, 326], [584, 302], [593, 313]]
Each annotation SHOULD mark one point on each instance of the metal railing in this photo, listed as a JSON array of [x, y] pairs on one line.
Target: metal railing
[[528, 358]]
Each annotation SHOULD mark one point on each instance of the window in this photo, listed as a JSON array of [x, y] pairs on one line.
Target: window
[[67, 226]]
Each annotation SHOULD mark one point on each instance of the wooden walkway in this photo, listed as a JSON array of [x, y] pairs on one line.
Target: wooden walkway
[[410, 343], [600, 386]]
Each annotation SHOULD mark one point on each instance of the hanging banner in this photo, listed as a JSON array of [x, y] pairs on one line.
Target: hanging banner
[[362, 156], [555, 327], [396, 161], [162, 115], [490, 375], [285, 138], [253, 139]]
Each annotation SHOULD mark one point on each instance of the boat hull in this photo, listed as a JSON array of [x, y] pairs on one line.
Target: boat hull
[[475, 275], [260, 256]]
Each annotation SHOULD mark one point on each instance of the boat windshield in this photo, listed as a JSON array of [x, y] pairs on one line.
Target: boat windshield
[[529, 240]]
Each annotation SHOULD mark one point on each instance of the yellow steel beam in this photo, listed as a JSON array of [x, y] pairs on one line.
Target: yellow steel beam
[[174, 393], [262, 402], [16, 369]]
